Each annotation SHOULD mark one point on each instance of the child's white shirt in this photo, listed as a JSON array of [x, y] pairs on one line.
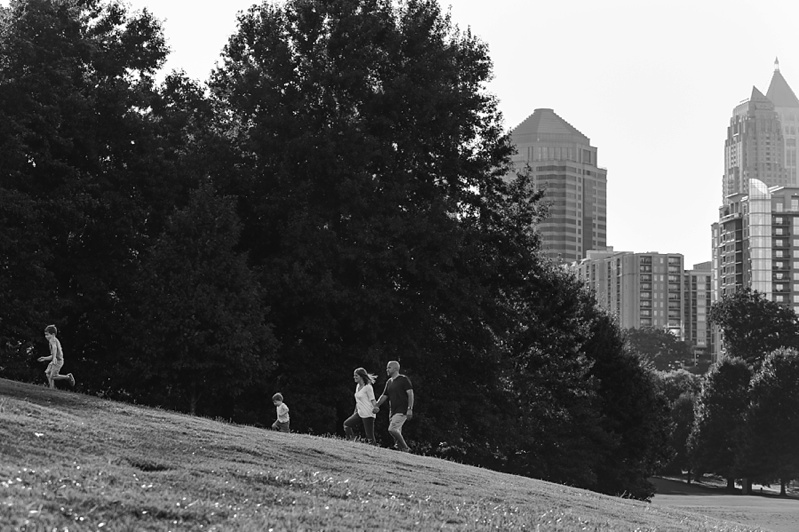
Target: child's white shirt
[[55, 350], [282, 413]]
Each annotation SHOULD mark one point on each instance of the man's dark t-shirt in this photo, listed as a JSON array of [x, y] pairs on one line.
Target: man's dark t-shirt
[[397, 392]]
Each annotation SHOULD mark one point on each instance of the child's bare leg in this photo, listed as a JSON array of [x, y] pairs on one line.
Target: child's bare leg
[[67, 377]]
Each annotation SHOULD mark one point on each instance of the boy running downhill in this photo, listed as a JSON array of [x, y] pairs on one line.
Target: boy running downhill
[[56, 358]]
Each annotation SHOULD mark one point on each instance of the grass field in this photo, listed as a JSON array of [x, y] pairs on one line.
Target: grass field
[[71, 462], [763, 508]]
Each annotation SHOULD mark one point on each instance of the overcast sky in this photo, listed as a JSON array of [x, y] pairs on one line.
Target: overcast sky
[[652, 83]]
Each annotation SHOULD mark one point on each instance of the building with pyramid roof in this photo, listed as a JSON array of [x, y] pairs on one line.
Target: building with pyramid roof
[[563, 163], [756, 240], [786, 105], [754, 148]]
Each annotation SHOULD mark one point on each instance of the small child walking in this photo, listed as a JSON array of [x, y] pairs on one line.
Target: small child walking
[[282, 421], [56, 359]]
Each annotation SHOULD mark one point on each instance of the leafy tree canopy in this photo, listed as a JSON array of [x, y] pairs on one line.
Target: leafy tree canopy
[[772, 423], [368, 159], [201, 308], [752, 326], [675, 383], [664, 350], [718, 424], [79, 168]]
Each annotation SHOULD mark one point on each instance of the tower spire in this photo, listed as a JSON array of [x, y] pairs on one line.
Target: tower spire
[[776, 64]]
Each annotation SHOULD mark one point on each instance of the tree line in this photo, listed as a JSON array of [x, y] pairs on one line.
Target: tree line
[[337, 194], [740, 421]]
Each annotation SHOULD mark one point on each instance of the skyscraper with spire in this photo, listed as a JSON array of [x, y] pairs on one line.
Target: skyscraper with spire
[[786, 105], [756, 240], [564, 163], [754, 148]]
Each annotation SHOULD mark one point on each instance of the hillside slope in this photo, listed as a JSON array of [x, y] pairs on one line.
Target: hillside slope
[[75, 462]]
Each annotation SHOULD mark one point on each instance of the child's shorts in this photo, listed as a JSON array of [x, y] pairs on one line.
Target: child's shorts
[[281, 426], [53, 368]]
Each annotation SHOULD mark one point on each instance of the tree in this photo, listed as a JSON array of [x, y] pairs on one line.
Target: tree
[[660, 347], [675, 383], [557, 434], [205, 332], [768, 452], [601, 423], [719, 417], [752, 326], [682, 422], [368, 159], [26, 285], [680, 388], [634, 414], [81, 170]]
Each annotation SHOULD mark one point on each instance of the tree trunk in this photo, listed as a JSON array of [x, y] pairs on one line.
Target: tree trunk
[[783, 492], [730, 484], [193, 398]]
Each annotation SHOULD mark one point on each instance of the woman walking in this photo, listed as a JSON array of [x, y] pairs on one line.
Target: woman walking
[[364, 404]]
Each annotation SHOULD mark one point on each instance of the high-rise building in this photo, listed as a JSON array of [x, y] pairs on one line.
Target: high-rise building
[[756, 244], [753, 241], [640, 289], [754, 148], [563, 163], [697, 297]]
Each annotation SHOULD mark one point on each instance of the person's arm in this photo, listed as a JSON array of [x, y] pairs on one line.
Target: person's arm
[[370, 394], [410, 403], [379, 402], [53, 350], [383, 398]]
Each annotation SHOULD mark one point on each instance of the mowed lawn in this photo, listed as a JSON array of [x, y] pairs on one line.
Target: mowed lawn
[[71, 462], [761, 509]]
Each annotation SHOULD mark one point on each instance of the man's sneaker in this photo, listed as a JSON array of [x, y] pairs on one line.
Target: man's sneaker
[[71, 379]]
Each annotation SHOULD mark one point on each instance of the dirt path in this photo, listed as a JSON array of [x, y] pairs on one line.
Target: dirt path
[[766, 511]]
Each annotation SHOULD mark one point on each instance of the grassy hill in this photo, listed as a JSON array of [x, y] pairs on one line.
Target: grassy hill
[[71, 462]]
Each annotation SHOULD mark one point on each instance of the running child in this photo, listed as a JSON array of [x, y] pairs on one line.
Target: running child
[[56, 359]]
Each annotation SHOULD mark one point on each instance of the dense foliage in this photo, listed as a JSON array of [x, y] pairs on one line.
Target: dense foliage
[[660, 347], [83, 183], [745, 415], [719, 419], [200, 307], [339, 194], [768, 450], [752, 326]]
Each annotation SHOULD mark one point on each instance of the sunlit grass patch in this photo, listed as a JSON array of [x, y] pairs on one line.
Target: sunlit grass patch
[[91, 464]]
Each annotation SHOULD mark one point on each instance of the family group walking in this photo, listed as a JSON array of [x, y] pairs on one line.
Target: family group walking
[[399, 394]]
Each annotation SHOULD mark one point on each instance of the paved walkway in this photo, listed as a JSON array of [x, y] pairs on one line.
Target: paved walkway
[[766, 511]]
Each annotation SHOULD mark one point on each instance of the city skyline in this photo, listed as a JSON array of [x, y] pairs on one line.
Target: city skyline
[[651, 84]]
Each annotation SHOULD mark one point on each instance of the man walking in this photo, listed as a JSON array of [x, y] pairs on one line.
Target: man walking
[[399, 394]]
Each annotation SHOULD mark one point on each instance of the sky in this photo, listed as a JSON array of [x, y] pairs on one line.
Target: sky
[[651, 83]]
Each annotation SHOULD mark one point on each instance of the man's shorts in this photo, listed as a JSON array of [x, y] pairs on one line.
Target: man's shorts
[[397, 421], [53, 368]]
